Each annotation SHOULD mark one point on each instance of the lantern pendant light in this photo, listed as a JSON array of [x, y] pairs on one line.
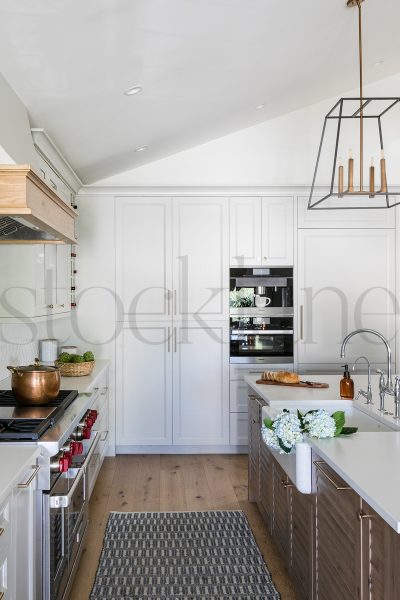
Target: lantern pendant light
[[355, 123]]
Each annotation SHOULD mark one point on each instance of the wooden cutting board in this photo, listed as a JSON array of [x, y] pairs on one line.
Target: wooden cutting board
[[302, 384]]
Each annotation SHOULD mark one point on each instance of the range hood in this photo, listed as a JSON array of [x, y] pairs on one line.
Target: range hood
[[30, 211]]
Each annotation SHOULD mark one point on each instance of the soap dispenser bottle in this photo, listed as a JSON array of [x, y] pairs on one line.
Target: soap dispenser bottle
[[346, 385]]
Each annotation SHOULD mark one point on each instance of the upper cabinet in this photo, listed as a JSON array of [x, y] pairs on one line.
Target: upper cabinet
[[261, 231], [36, 280], [344, 219], [172, 258]]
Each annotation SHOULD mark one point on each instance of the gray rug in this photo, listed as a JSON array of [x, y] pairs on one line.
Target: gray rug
[[187, 555]]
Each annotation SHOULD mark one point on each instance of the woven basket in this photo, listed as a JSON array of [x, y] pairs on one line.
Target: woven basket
[[75, 369]]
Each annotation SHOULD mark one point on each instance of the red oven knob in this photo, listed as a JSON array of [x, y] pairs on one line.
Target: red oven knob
[[63, 464], [68, 457], [76, 448], [93, 415], [86, 432], [89, 422]]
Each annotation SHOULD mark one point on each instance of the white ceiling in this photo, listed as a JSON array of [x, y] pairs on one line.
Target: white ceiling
[[204, 66]]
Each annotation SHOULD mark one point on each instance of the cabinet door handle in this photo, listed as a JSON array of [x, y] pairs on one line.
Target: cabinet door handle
[[27, 483], [362, 515], [286, 484], [169, 339], [105, 436], [48, 306], [175, 342], [301, 322], [174, 302], [169, 301], [1, 533], [318, 464]]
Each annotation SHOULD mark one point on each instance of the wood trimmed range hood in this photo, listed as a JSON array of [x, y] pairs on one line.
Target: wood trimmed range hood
[[30, 211]]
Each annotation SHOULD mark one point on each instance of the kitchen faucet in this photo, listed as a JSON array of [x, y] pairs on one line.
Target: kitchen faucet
[[385, 386], [367, 394]]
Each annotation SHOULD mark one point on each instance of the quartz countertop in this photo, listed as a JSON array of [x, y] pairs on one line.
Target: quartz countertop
[[14, 461], [368, 461], [81, 384]]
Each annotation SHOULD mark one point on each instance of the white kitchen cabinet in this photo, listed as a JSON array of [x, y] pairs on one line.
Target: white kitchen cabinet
[[346, 281], [381, 218], [201, 384], [239, 423], [200, 258], [172, 385], [35, 280], [245, 231], [144, 385], [17, 540], [261, 231], [172, 258], [144, 258]]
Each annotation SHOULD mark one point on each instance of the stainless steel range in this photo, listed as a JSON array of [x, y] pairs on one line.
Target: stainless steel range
[[63, 429]]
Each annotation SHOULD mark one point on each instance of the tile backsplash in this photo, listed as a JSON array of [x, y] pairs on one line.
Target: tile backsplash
[[18, 345]]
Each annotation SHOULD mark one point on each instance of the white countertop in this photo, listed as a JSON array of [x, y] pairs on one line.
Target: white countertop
[[14, 460], [368, 461], [81, 384]]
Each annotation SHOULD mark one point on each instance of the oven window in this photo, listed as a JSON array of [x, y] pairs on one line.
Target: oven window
[[261, 345]]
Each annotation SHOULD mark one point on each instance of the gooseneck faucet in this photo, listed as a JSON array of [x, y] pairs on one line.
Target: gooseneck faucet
[[385, 386]]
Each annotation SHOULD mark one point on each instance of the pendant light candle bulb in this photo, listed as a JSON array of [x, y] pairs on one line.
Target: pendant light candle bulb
[[341, 177], [372, 178]]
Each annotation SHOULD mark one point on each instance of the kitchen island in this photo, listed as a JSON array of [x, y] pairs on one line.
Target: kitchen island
[[343, 534]]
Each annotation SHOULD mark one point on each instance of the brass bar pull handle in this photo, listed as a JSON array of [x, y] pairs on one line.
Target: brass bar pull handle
[[318, 464], [169, 339], [174, 302], [362, 515], [286, 484], [27, 483], [1, 533], [169, 302], [175, 342], [301, 322]]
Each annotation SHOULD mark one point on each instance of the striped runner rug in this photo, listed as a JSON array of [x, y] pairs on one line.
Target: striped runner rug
[[188, 555]]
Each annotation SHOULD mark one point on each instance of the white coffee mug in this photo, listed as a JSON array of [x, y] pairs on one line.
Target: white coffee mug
[[261, 301]]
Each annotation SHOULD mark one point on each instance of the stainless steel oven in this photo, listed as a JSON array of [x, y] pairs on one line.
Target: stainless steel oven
[[261, 316], [65, 520]]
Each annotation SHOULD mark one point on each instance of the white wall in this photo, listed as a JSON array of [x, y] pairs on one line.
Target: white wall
[[274, 153], [16, 145]]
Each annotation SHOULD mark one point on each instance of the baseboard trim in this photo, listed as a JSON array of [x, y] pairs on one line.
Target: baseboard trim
[[181, 449]]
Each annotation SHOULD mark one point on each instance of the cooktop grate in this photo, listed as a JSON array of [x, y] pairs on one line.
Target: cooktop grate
[[31, 428]]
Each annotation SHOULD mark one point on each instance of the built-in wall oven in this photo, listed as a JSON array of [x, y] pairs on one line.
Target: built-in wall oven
[[261, 316]]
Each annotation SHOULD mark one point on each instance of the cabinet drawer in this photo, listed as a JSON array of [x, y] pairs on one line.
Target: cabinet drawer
[[4, 577]]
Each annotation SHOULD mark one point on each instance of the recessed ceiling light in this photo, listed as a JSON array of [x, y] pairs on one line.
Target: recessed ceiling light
[[260, 106], [136, 89], [141, 148], [379, 63]]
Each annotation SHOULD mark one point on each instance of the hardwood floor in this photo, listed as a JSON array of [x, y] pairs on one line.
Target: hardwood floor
[[137, 483]]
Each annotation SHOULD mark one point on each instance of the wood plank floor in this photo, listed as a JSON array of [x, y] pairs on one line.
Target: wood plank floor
[[137, 483]]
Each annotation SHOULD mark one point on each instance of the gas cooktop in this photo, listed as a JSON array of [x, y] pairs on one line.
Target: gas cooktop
[[19, 422]]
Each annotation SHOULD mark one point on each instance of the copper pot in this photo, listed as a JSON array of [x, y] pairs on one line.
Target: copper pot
[[35, 384]]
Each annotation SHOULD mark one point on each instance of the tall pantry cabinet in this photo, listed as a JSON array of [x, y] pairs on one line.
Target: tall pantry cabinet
[[172, 295]]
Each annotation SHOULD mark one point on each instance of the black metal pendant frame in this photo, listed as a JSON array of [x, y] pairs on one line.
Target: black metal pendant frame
[[338, 113]]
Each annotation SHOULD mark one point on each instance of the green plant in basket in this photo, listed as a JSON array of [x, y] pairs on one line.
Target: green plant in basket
[[77, 358], [64, 357], [88, 356]]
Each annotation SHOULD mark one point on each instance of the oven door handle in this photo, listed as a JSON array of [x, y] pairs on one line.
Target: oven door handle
[[65, 500]]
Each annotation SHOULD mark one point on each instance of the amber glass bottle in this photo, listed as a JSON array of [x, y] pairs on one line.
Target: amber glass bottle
[[346, 385]]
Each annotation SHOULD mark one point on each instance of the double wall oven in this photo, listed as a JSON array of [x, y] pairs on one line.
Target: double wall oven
[[261, 316]]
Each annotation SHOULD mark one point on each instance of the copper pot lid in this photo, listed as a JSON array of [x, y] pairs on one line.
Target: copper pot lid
[[37, 367]]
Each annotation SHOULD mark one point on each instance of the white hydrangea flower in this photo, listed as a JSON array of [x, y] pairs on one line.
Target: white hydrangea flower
[[320, 424], [270, 438], [287, 427]]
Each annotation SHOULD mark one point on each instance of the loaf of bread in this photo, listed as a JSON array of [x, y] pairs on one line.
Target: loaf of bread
[[281, 376]]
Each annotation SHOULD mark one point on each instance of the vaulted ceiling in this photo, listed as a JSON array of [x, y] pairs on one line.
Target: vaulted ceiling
[[204, 66]]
